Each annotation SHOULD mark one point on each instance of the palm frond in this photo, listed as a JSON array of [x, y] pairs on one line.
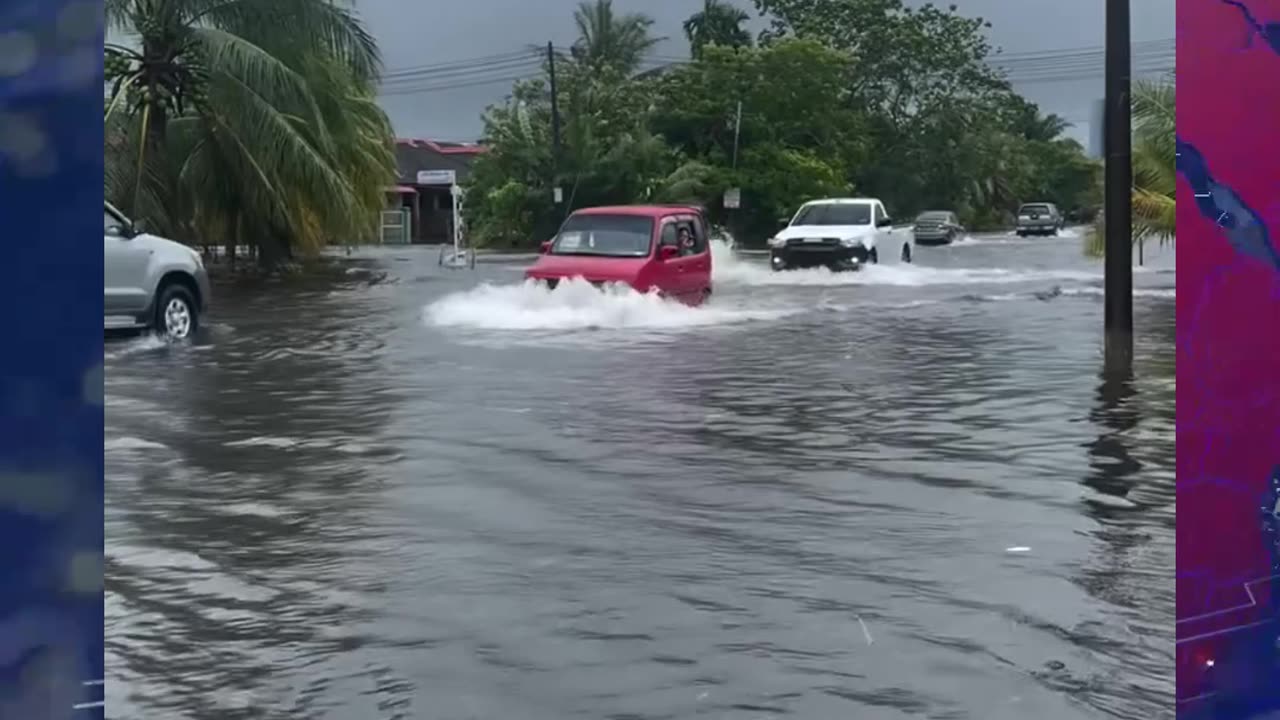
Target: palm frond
[[294, 29]]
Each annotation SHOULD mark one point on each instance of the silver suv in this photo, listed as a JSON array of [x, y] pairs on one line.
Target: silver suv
[[149, 282], [1038, 219]]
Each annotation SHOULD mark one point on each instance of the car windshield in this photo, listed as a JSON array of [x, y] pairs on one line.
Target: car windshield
[[1027, 209], [834, 214], [934, 216], [609, 235]]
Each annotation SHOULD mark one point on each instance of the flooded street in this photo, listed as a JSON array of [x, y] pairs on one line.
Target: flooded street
[[425, 493]]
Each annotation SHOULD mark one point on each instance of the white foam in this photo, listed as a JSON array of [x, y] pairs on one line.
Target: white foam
[[578, 305], [145, 343], [1167, 293], [732, 269], [127, 443], [346, 445]]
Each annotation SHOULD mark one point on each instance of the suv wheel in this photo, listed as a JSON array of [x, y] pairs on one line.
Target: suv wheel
[[873, 257], [176, 314]]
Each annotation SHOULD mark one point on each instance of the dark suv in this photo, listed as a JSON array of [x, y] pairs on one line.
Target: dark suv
[[1038, 219]]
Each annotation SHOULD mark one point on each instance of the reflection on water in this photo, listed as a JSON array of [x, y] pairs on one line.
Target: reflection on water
[[800, 502]]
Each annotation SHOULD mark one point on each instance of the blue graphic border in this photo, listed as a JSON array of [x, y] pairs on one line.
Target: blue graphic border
[[51, 398]]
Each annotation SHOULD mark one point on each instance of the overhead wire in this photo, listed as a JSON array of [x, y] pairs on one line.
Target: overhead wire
[[1047, 66]]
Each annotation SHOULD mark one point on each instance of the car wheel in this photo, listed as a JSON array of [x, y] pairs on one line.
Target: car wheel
[[176, 315], [873, 257], [1021, 234]]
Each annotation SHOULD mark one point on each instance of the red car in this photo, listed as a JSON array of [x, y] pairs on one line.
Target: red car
[[663, 248]]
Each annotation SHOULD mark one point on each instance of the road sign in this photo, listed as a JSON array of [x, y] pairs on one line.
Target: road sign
[[733, 198], [558, 195], [437, 177]]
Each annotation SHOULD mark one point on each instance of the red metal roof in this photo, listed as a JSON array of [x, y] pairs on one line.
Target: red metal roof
[[444, 148], [644, 210]]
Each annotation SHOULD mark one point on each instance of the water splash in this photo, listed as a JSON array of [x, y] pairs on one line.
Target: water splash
[[731, 269], [578, 305]]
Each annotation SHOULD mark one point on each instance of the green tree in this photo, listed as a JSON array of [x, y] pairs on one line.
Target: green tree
[[219, 125], [799, 135], [717, 23], [946, 128], [609, 40], [609, 156]]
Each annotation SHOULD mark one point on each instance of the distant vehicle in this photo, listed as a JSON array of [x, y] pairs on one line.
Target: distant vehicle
[[937, 227], [662, 248], [836, 233], [1038, 219], [150, 282]]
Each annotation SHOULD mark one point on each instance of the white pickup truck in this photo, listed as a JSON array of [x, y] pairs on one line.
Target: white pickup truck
[[837, 233]]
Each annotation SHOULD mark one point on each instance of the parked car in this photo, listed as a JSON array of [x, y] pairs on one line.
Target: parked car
[[150, 282], [659, 248], [937, 227], [837, 233], [1038, 219]]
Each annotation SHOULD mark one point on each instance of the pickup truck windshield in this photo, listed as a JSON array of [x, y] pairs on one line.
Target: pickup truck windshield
[[607, 235], [834, 214]]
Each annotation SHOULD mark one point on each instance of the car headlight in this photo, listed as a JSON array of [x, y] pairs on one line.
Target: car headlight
[[777, 242], [851, 242]]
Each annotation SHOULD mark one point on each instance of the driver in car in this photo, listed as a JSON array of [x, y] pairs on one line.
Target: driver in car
[[686, 241]]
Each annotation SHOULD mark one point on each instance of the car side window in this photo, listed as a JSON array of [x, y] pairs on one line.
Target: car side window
[[878, 213], [670, 235], [699, 232]]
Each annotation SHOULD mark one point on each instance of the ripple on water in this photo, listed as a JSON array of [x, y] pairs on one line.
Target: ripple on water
[[804, 498]]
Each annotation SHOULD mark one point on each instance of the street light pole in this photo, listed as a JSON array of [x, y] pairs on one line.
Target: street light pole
[[1118, 192]]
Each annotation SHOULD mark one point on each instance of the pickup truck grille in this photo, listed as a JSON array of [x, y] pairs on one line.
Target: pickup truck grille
[[811, 242]]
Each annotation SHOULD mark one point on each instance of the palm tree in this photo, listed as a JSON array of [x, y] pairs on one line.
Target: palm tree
[[1154, 168], [717, 23], [1154, 160], [221, 124], [607, 40]]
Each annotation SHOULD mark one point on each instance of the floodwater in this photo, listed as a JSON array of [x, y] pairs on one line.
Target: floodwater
[[432, 493]]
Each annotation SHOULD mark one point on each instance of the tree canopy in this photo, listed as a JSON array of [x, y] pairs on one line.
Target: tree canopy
[[222, 128], [837, 97], [717, 23]]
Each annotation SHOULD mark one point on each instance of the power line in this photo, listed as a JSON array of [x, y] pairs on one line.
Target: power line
[[463, 63], [508, 67], [457, 85], [1028, 68]]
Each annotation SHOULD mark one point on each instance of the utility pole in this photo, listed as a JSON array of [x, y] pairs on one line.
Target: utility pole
[[737, 132], [555, 113], [1118, 192]]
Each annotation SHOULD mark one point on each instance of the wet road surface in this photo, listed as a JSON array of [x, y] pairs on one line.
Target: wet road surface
[[424, 493]]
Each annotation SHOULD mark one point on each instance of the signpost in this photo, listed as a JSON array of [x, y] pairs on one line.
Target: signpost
[[460, 257], [733, 198], [437, 177]]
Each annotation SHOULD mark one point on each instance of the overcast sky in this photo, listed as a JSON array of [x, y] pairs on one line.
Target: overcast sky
[[417, 33]]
